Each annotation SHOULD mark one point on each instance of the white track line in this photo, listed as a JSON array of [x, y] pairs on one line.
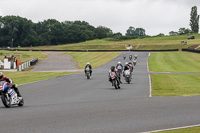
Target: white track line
[[172, 129], [150, 89]]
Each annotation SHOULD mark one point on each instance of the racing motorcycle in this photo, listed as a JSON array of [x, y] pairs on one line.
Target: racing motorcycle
[[130, 57], [127, 76], [9, 96], [134, 61], [119, 71], [88, 72], [114, 81]]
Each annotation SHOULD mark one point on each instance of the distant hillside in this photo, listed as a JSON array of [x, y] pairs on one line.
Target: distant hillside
[[150, 43]]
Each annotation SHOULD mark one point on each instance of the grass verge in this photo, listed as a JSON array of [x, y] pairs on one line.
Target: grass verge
[[184, 130], [175, 85], [27, 77], [24, 55], [174, 62], [96, 59]]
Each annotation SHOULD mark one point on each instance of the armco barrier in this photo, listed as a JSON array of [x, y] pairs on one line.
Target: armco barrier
[[191, 50], [27, 64]]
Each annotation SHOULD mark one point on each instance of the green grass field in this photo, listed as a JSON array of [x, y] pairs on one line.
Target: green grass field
[[150, 43], [174, 62], [175, 84], [96, 59], [27, 76], [184, 130], [23, 55]]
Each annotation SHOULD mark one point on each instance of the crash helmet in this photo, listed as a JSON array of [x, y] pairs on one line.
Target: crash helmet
[[126, 63], [119, 62], [88, 63], [112, 68]]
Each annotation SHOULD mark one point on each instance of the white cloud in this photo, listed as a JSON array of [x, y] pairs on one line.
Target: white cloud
[[155, 16]]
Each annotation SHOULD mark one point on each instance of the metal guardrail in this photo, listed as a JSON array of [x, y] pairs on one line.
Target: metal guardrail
[[27, 64]]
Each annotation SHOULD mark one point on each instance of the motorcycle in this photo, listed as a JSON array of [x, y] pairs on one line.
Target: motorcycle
[[131, 66], [119, 72], [9, 96], [130, 57], [127, 76], [114, 80], [124, 56], [134, 62], [87, 73]]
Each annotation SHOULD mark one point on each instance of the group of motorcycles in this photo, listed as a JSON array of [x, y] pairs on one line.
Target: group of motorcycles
[[127, 74]]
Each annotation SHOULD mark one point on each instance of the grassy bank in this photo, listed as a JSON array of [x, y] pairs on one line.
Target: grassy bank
[[96, 59], [174, 62], [150, 43], [27, 77]]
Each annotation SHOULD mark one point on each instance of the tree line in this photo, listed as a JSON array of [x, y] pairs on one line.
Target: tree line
[[17, 31]]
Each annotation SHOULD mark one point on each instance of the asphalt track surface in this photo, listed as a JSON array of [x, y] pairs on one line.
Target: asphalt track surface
[[73, 104], [56, 62]]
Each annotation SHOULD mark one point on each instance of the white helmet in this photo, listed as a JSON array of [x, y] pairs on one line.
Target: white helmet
[[126, 63], [119, 62], [88, 63]]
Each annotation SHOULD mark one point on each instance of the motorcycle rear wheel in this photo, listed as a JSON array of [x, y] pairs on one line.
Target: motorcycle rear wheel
[[21, 103]]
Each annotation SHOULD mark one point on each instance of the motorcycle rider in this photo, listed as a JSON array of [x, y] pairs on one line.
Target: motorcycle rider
[[10, 83], [126, 67], [124, 56], [119, 70], [90, 68], [130, 56], [135, 56], [112, 69], [131, 66]]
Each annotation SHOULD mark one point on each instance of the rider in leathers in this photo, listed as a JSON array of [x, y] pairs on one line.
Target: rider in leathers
[[10, 83], [112, 69], [119, 68], [90, 67]]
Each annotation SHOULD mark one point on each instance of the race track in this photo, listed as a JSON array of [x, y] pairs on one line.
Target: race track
[[73, 104]]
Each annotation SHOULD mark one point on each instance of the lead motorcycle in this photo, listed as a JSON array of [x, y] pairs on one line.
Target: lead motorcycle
[[114, 80], [87, 72], [127, 76], [9, 96]]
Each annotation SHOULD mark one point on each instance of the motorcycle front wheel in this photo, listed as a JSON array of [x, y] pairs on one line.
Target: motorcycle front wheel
[[6, 100]]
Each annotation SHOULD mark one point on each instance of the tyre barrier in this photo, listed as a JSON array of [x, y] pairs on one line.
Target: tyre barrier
[[27, 64]]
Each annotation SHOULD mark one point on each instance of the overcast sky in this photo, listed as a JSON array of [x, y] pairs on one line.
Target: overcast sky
[[155, 16]]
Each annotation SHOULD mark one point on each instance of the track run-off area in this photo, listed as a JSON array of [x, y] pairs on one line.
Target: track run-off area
[[73, 104]]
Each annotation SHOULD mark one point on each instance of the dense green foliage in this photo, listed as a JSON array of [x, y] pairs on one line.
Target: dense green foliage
[[17, 31], [135, 31], [194, 20]]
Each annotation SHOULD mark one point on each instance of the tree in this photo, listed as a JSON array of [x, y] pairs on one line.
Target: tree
[[135, 31], [161, 34], [183, 31], [194, 20], [173, 33], [102, 32]]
